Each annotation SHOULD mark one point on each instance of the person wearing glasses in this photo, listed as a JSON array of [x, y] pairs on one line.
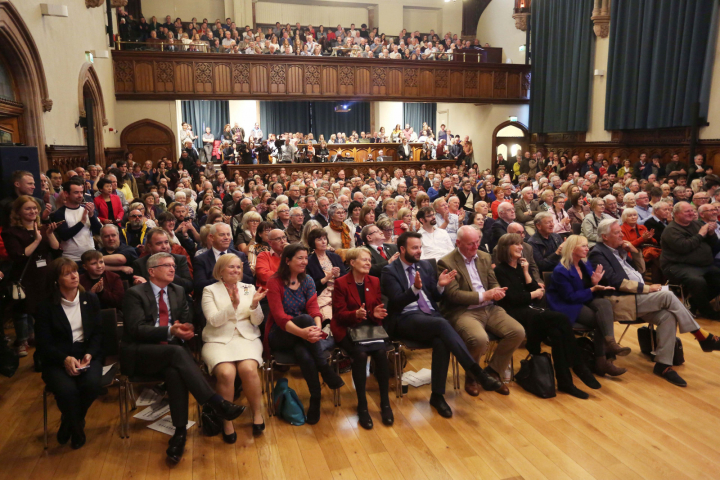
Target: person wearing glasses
[[135, 232], [267, 263], [158, 323], [338, 233], [381, 253], [294, 229]]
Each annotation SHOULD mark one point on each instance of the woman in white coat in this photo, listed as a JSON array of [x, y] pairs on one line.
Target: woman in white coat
[[232, 338]]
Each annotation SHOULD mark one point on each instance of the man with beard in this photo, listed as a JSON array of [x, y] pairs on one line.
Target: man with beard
[[135, 230], [184, 226], [415, 288], [436, 242]]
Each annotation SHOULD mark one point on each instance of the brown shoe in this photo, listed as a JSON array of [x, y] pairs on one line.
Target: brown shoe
[[604, 366], [613, 347], [504, 390], [471, 386]]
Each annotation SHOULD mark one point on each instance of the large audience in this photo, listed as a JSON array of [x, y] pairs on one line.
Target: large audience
[[228, 37], [234, 146], [537, 249]]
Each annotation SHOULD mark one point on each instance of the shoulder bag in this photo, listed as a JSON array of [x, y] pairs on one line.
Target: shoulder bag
[[537, 375]]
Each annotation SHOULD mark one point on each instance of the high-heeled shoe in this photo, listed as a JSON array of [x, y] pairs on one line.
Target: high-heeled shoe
[[258, 428], [229, 437]]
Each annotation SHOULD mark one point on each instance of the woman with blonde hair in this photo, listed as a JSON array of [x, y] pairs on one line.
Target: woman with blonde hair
[[245, 235], [573, 293], [590, 223], [232, 343]]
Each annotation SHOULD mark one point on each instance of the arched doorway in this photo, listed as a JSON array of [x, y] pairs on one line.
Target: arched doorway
[[148, 140], [91, 106], [27, 74], [508, 137]]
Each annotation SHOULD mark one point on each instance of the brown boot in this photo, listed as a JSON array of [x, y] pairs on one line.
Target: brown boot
[[613, 347], [471, 386], [603, 366]]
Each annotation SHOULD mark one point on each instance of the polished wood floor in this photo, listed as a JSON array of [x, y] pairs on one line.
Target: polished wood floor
[[636, 426]]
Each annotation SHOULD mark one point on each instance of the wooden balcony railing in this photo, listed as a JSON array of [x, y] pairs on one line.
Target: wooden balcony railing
[[148, 75]]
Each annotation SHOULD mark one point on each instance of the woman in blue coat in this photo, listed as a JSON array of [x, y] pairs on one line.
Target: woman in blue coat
[[574, 284]]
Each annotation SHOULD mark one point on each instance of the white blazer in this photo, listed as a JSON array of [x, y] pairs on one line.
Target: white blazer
[[223, 319]]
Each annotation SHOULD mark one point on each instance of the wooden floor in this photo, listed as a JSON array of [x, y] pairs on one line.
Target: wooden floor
[[636, 426]]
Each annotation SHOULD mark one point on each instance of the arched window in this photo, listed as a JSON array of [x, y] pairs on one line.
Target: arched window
[[514, 149], [502, 150]]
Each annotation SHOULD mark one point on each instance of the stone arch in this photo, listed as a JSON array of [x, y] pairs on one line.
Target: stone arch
[[89, 85], [19, 49]]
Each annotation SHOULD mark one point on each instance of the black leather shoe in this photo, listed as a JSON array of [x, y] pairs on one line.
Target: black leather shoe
[[227, 410], [486, 381], [231, 438], [64, 432], [176, 447], [258, 428], [78, 440], [669, 374], [365, 420], [387, 415], [438, 402], [710, 344]]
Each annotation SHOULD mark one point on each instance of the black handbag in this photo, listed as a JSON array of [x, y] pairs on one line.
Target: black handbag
[[646, 344], [211, 422], [537, 375], [369, 338]]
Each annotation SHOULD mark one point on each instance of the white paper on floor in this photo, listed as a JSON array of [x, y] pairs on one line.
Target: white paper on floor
[[417, 379], [147, 397], [164, 425], [153, 412]]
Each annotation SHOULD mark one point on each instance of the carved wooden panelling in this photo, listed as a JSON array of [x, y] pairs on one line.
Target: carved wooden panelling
[[184, 78], [362, 81], [329, 80], [165, 75], [144, 77], [223, 78], [295, 79]]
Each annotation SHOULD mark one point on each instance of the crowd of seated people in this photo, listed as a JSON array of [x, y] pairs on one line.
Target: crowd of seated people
[[297, 260], [234, 146], [228, 37]]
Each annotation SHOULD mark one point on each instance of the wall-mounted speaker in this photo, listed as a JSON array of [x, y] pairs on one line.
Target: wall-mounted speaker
[[18, 158]]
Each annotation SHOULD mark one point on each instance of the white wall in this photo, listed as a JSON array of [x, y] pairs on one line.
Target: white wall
[[479, 122], [422, 20], [388, 114], [185, 9], [62, 45], [245, 113], [266, 12], [497, 27]]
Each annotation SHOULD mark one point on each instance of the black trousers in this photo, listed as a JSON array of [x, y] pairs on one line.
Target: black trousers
[[74, 395], [181, 375], [436, 331], [359, 362], [702, 282], [309, 356], [541, 325]]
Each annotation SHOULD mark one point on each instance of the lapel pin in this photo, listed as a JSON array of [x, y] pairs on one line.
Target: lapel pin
[[84, 303]]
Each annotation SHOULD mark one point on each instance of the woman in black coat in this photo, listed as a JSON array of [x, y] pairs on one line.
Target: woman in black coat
[[68, 329], [324, 267], [512, 272]]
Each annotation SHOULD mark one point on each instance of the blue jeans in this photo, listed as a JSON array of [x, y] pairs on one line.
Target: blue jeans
[[24, 326]]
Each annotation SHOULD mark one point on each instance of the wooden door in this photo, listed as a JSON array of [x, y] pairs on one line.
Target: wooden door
[[149, 140]]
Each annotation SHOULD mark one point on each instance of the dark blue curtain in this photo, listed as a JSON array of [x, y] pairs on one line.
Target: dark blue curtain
[[562, 39], [206, 113], [281, 117], [656, 61], [326, 121], [319, 118], [417, 113]]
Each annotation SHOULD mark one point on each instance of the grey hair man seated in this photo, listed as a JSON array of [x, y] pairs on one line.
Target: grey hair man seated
[[636, 299]]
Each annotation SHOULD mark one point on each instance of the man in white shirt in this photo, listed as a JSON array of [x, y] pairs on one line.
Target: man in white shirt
[[642, 206], [435, 241], [256, 133], [77, 221], [444, 219]]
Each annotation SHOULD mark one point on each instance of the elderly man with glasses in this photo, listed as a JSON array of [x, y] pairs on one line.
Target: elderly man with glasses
[[295, 228], [382, 253], [268, 262]]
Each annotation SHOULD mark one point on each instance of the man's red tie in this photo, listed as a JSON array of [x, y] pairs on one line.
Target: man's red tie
[[163, 310], [382, 253]]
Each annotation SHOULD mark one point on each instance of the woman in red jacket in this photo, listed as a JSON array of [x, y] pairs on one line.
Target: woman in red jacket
[[356, 302], [108, 205], [639, 235], [294, 323]]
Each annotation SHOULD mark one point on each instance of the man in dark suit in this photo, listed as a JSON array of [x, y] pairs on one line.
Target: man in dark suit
[[203, 265], [158, 322], [404, 151], [382, 253], [322, 214], [506, 215], [659, 219], [158, 242], [415, 288]]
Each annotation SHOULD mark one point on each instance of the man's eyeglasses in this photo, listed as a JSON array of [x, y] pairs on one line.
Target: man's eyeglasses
[[278, 238], [136, 216], [169, 265]]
